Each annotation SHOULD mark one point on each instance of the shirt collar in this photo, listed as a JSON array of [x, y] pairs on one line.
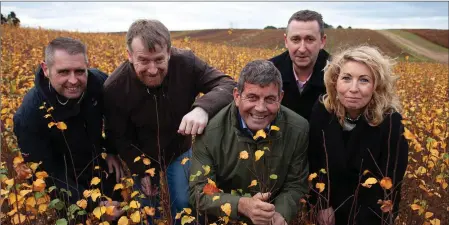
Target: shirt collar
[[245, 128], [296, 77]]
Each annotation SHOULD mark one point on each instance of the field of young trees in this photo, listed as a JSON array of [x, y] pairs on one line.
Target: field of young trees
[[26, 199]]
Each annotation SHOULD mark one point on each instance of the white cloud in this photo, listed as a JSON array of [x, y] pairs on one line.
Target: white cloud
[[117, 16]]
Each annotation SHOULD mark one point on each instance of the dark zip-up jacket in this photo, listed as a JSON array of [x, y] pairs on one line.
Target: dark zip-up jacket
[[303, 102]]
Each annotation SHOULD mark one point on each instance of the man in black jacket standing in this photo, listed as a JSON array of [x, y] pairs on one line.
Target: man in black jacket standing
[[60, 120], [302, 64]]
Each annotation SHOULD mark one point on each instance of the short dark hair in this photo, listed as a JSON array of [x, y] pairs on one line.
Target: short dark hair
[[308, 15], [152, 32], [261, 72], [69, 45]]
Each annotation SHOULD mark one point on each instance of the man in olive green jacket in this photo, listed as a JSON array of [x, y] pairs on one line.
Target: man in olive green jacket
[[254, 150]]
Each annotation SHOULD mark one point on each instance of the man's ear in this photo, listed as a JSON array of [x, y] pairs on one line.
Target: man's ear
[[281, 96], [45, 69], [236, 95], [323, 41], [285, 40], [130, 58]]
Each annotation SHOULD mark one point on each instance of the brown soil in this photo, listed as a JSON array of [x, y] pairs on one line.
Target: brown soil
[[439, 37]]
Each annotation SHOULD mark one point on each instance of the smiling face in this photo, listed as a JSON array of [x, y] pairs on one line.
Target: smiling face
[[355, 87], [258, 105], [303, 41], [151, 66], [68, 73]]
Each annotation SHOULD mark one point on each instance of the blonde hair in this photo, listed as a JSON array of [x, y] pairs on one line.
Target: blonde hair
[[384, 99]]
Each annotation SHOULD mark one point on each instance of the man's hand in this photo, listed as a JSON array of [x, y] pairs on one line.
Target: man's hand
[[256, 209], [148, 189], [114, 164], [326, 216], [278, 219], [194, 122], [116, 212]]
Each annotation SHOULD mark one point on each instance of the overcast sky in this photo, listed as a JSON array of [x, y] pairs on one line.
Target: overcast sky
[[118, 16]]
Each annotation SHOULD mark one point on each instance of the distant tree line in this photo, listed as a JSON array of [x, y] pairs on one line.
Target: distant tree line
[[11, 19], [328, 26]]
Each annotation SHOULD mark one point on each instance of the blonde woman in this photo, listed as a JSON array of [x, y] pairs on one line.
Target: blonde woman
[[354, 128]]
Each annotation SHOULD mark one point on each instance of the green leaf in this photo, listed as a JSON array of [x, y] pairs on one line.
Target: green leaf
[[82, 212], [56, 204], [62, 221], [247, 195], [273, 176], [240, 191], [323, 171], [192, 177], [198, 173], [125, 208], [446, 156], [234, 192], [50, 189], [38, 195], [3, 170], [73, 208], [266, 148], [69, 193]]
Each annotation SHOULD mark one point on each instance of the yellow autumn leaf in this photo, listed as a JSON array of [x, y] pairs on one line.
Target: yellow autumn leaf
[[184, 160], [99, 211], [118, 186], [435, 222], [39, 185], [275, 128], [82, 203], [312, 176], [206, 169], [134, 194], [87, 193], [408, 135], [260, 133], [320, 186], [123, 221], [18, 159], [253, 183], [42, 175], [50, 109], [366, 172], [47, 116], [243, 155], [95, 181], [150, 211], [151, 171], [428, 215], [135, 217], [34, 166], [258, 154], [137, 159], [226, 208], [31, 201], [415, 207], [61, 126], [215, 198], [18, 218], [187, 219], [96, 167], [9, 182], [369, 182], [211, 182], [188, 211], [178, 216], [95, 194], [104, 223], [110, 210], [104, 155], [134, 204], [386, 183], [24, 192], [42, 208], [146, 161]]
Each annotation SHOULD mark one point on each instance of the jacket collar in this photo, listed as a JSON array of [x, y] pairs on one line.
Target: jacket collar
[[244, 136]]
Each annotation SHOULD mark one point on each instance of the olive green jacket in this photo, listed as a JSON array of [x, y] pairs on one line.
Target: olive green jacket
[[282, 170]]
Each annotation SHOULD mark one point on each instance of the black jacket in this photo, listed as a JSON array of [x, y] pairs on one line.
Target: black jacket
[[348, 161], [84, 122], [301, 103]]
